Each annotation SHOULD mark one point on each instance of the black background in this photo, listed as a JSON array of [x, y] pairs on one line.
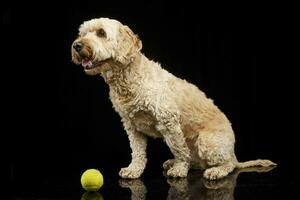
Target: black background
[[59, 121]]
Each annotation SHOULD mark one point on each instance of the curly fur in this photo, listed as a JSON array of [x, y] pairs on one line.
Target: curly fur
[[153, 102]]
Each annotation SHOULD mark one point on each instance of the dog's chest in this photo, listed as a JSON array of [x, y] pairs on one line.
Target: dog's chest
[[145, 123], [142, 120]]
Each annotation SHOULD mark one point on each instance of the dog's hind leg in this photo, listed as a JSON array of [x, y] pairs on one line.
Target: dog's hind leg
[[216, 148]]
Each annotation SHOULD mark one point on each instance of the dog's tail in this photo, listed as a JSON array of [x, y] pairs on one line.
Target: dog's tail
[[256, 163]]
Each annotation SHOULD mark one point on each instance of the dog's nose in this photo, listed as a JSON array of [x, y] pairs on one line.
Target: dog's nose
[[77, 46]]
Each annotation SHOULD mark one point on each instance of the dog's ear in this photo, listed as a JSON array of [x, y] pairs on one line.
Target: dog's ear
[[129, 45]]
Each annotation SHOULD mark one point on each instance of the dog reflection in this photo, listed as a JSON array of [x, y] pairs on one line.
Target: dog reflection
[[136, 186], [194, 186]]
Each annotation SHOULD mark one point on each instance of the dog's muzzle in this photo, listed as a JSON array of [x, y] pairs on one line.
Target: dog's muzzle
[[90, 64]]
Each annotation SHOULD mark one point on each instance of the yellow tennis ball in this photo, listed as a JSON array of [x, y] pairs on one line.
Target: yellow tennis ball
[[91, 180]]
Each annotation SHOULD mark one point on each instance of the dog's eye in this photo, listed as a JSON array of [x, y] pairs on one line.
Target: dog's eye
[[101, 33]]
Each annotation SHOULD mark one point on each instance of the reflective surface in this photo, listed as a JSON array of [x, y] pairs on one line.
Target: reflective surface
[[257, 183], [192, 187]]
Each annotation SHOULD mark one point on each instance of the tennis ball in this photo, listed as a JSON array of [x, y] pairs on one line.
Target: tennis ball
[[91, 180]]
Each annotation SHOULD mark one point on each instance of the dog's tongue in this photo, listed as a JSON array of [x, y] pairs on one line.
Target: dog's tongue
[[86, 64]]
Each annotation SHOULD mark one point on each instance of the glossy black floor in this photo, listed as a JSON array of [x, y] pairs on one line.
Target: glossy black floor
[[38, 182], [60, 122]]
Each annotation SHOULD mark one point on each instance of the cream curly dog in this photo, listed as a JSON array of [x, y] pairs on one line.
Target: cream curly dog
[[152, 102]]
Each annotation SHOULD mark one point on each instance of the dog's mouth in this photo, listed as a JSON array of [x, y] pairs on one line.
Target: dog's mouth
[[89, 64]]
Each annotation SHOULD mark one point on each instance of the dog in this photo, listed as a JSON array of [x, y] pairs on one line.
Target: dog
[[154, 103]]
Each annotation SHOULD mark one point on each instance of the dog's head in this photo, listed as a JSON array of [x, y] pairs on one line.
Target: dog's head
[[103, 41]]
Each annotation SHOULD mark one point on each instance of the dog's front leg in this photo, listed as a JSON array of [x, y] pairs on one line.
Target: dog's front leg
[[174, 138], [138, 144]]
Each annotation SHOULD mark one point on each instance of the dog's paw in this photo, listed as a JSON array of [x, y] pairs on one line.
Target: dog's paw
[[178, 170], [130, 172], [214, 173], [168, 164]]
